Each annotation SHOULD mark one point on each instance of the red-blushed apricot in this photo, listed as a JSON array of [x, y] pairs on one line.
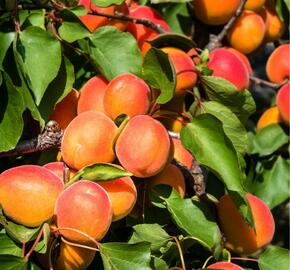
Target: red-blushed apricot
[[223, 62], [143, 146], [92, 95], [184, 67], [240, 237], [170, 175], [243, 58], [66, 110], [247, 33], [122, 193], [254, 5], [215, 12], [277, 66], [126, 94], [270, 116], [181, 154], [88, 139], [283, 102], [57, 168], [28, 194], [83, 206], [225, 266]]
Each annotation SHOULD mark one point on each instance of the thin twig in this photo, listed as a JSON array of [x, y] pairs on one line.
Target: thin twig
[[180, 252], [215, 41], [262, 82]]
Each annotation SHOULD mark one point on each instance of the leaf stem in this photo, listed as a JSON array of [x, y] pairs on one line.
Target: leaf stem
[[180, 252], [34, 245]]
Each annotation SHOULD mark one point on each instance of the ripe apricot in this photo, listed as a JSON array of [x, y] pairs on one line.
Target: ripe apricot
[[243, 58], [215, 12], [122, 193], [126, 94], [170, 120], [28, 194], [66, 110], [88, 139], [247, 33], [225, 266], [254, 5], [277, 73], [181, 154], [283, 102], [240, 237], [92, 95], [84, 206], [57, 168], [143, 146], [184, 67], [223, 62], [270, 116]]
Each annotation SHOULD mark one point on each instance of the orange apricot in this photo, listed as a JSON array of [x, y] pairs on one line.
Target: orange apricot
[[277, 66], [240, 237], [28, 194], [126, 94], [84, 206], [170, 120], [184, 67], [88, 139], [225, 266], [181, 154], [215, 12], [247, 33], [223, 62], [283, 102], [66, 110], [254, 5], [143, 146], [243, 58], [270, 116], [57, 168], [92, 95]]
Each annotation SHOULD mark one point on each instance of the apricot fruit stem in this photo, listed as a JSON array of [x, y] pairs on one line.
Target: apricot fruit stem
[[34, 245], [206, 262], [262, 82], [180, 252]]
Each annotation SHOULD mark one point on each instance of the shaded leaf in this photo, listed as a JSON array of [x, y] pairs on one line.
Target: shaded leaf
[[6, 40], [42, 245], [8, 246], [10, 262], [273, 257]]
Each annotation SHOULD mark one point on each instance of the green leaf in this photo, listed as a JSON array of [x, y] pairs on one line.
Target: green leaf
[[11, 109], [123, 256], [232, 126], [42, 245], [32, 18], [272, 183], [6, 40], [152, 233], [106, 3], [274, 257], [115, 52], [159, 73], [8, 246], [224, 92], [169, 1], [10, 262], [158, 264], [39, 55], [268, 140]]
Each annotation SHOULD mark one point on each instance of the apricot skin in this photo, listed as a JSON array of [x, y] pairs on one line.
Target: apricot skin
[[277, 73], [84, 206], [270, 116], [88, 139], [28, 194], [243, 58], [126, 94], [144, 146], [283, 102], [240, 237], [225, 266], [57, 168], [181, 154], [254, 5]]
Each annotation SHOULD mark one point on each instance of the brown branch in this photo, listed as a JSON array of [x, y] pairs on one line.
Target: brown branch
[[216, 40], [262, 82], [50, 138]]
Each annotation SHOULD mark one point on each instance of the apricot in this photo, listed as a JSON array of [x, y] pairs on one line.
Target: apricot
[[84, 206], [215, 12], [270, 116], [225, 266], [88, 139], [283, 102], [254, 5], [170, 120], [57, 168], [243, 58], [122, 193], [223, 62], [184, 67], [240, 237], [277, 66], [66, 110], [28, 194], [247, 33], [126, 94], [92, 95], [170, 175], [143, 146], [181, 154]]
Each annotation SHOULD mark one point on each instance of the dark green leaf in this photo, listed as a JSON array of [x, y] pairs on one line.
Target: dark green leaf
[[6, 40], [10, 262], [39, 55], [106, 3], [123, 256], [274, 257], [115, 52], [222, 91], [268, 140], [159, 73], [158, 264], [8, 246]]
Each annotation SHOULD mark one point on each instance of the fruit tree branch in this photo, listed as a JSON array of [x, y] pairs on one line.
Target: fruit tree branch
[[262, 82], [216, 40]]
